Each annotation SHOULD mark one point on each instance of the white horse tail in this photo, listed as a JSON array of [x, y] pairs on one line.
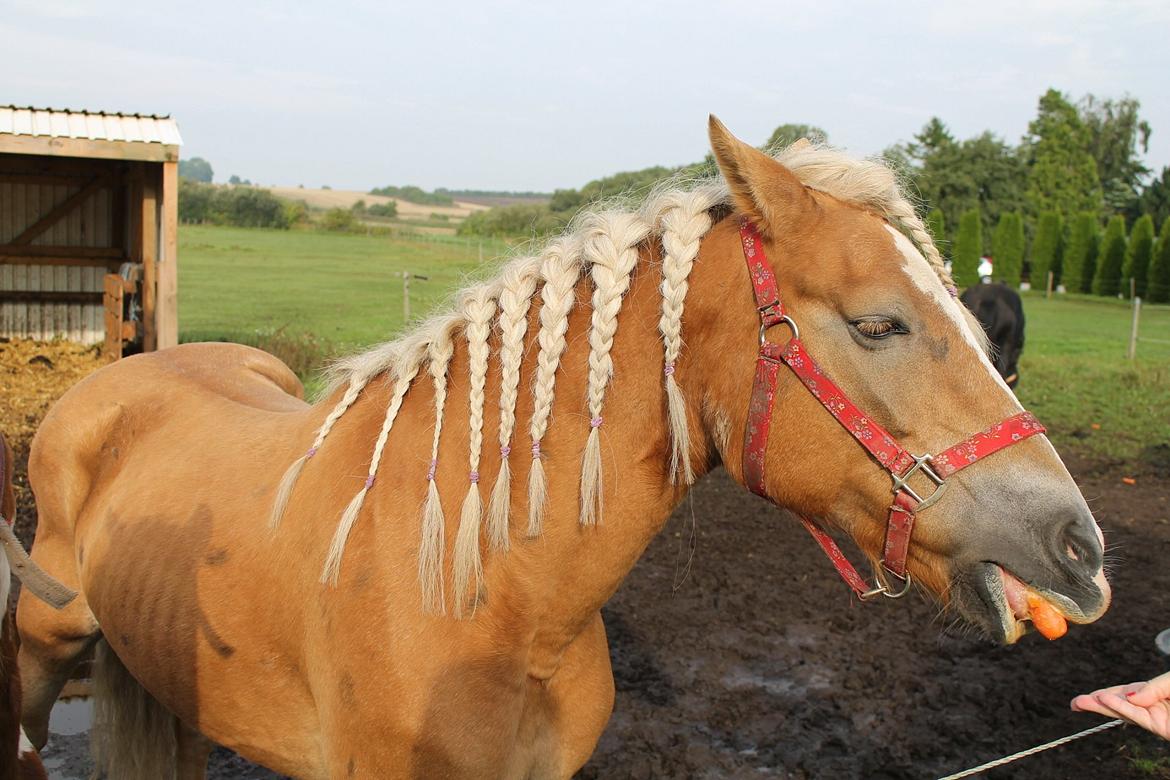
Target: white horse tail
[[133, 736]]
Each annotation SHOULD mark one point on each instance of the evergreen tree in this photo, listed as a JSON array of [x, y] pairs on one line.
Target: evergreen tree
[[968, 249], [1107, 278], [1118, 138], [1045, 255], [936, 225], [1008, 249], [1080, 256], [1158, 279], [1137, 258], [1062, 173]]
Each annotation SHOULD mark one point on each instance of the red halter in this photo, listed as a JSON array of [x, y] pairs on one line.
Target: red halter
[[898, 461]]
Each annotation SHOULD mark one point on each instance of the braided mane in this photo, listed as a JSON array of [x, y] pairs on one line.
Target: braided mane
[[602, 244]]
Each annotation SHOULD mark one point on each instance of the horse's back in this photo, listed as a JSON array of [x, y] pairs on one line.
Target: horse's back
[[193, 391]]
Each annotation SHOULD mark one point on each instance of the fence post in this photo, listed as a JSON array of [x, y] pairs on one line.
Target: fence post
[[405, 297], [1133, 331], [1048, 285], [1132, 288]]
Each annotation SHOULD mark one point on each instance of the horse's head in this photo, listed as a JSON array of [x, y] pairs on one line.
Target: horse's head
[[877, 317]]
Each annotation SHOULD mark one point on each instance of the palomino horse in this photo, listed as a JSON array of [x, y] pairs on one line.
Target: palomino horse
[[423, 636], [18, 758]]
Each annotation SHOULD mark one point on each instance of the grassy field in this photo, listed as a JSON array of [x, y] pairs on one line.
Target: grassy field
[[1075, 376], [304, 295], [264, 286]]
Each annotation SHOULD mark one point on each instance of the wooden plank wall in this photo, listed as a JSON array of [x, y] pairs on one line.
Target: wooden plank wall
[[100, 221]]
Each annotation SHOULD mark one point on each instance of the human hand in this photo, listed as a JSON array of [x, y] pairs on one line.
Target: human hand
[[1145, 704]]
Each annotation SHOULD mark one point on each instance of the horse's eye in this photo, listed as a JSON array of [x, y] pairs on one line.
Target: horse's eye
[[877, 327]]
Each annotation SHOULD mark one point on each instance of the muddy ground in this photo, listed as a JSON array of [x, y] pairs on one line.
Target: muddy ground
[[755, 660]]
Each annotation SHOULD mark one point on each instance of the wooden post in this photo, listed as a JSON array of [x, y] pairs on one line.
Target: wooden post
[[118, 331], [1048, 286], [1132, 288], [166, 303], [145, 249], [405, 297], [1133, 330]]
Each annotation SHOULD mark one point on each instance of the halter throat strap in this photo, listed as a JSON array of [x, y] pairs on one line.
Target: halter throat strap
[[899, 462]]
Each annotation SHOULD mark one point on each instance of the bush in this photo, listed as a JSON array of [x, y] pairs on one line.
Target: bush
[[296, 212], [1137, 259], [414, 195], [1046, 247], [1107, 278], [968, 249], [338, 220], [238, 206], [521, 219], [1080, 257], [1158, 283], [1008, 247], [388, 210]]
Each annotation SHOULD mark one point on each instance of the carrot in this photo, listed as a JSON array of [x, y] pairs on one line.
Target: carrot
[[1047, 620]]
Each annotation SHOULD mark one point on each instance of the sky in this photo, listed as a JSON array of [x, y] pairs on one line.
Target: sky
[[541, 95]]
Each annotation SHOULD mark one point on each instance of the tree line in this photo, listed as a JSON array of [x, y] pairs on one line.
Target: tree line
[[1072, 197]]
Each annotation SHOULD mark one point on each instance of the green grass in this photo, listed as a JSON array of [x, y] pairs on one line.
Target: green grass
[[1074, 375], [306, 295], [345, 289]]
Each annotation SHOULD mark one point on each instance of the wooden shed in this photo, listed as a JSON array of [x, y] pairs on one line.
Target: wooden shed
[[89, 227]]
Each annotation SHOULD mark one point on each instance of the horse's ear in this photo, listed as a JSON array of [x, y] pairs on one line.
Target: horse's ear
[[760, 187]]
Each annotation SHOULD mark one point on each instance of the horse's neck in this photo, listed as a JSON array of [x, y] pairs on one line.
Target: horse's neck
[[574, 570]]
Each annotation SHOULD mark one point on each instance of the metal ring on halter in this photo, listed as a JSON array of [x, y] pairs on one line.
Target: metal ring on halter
[[921, 464], [883, 585], [784, 318]]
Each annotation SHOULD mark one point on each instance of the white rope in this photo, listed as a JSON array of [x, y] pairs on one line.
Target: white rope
[[1032, 751]]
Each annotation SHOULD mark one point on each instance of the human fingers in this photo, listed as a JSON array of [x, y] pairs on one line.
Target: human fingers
[[1157, 689]]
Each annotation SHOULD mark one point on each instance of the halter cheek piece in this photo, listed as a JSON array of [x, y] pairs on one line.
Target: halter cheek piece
[[899, 462]]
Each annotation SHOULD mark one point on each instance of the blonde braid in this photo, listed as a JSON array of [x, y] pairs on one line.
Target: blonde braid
[[611, 250], [559, 270], [405, 371], [284, 490], [518, 285], [902, 212], [684, 223], [479, 308], [433, 535]]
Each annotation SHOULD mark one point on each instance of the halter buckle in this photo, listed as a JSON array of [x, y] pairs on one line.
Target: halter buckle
[[921, 464], [783, 319], [883, 585]]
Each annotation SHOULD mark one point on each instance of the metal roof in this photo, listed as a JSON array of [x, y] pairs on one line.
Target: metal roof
[[91, 125]]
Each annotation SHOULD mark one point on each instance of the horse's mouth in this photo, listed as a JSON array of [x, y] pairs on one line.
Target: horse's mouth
[[1017, 604]]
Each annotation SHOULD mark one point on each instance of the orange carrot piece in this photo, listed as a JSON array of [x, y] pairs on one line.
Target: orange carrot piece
[[1047, 620]]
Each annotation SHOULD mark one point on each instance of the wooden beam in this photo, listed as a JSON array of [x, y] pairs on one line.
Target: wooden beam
[[84, 147], [44, 250], [60, 210], [58, 166], [40, 178], [166, 303], [110, 263], [45, 296]]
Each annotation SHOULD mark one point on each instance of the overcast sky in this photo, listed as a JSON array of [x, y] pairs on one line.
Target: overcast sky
[[538, 95]]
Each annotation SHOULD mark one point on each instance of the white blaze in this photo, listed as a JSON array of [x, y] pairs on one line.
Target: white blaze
[[927, 280]]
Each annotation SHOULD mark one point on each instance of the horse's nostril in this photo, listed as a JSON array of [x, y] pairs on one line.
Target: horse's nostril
[[1081, 544]]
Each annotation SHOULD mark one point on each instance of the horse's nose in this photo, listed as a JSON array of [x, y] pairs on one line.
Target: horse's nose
[[1080, 542]]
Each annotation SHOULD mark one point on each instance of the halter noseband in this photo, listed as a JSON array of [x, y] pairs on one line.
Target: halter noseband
[[895, 459]]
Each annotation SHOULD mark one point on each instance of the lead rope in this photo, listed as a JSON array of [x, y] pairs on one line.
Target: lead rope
[[1033, 750]]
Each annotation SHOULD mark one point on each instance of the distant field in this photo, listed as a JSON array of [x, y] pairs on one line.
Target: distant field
[[328, 199], [272, 288]]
